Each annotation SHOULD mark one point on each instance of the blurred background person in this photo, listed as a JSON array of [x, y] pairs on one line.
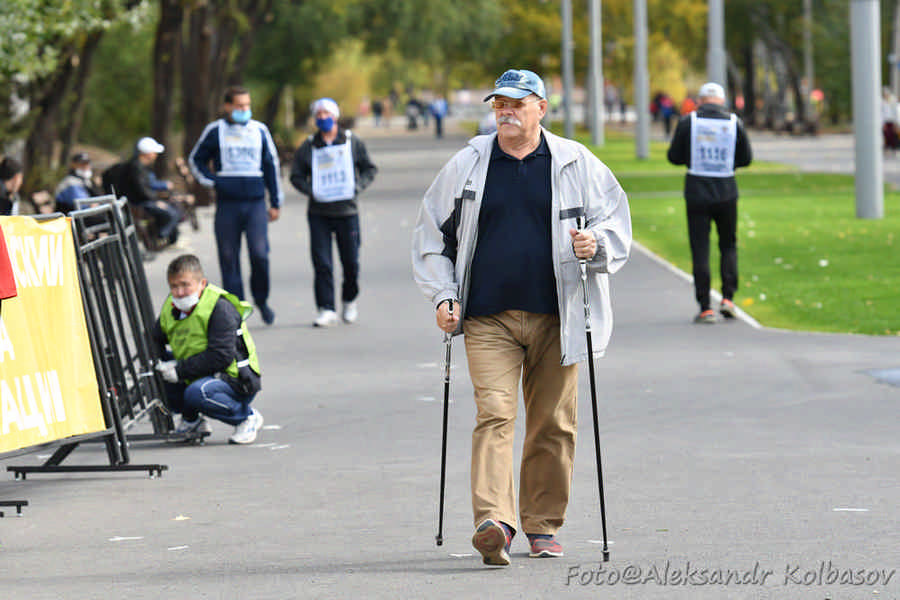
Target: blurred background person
[[78, 184], [11, 177]]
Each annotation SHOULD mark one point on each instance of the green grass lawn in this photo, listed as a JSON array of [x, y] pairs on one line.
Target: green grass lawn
[[805, 261]]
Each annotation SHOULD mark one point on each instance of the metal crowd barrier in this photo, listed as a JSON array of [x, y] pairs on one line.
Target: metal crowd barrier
[[101, 262], [123, 313]]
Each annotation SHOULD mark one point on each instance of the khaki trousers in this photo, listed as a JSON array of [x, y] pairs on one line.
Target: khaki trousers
[[499, 348]]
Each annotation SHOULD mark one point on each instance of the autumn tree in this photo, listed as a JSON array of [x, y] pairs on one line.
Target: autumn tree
[[46, 55]]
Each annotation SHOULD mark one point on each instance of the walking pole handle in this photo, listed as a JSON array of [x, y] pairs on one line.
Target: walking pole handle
[[448, 337], [582, 263], [581, 224]]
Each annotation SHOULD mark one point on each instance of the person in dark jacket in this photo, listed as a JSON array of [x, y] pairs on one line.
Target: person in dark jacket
[[133, 178], [77, 185], [215, 371], [237, 156], [331, 168], [712, 142], [11, 177]]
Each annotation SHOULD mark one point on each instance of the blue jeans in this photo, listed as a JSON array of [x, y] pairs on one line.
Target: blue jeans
[[166, 217], [249, 217], [346, 232], [211, 397]]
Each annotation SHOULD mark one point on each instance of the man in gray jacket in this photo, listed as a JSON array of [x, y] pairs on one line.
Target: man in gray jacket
[[497, 240]]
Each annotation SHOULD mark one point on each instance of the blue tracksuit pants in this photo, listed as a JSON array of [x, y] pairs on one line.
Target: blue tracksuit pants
[[250, 218]]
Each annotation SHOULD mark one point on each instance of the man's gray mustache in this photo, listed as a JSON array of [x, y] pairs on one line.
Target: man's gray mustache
[[508, 119]]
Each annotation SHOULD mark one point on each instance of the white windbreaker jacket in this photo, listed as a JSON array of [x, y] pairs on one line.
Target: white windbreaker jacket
[[447, 230]]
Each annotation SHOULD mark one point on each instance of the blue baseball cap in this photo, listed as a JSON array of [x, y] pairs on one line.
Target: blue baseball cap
[[518, 83]]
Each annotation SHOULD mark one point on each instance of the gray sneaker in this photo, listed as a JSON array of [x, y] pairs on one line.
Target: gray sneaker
[[727, 309], [200, 425], [707, 316], [247, 430]]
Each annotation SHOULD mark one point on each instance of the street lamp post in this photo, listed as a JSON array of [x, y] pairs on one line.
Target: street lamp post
[[865, 57], [715, 57], [596, 72], [641, 81], [568, 75]]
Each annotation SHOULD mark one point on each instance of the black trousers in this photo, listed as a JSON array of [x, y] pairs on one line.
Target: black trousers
[[699, 217], [345, 230]]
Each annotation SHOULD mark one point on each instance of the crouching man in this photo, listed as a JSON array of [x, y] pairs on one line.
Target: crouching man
[[215, 372]]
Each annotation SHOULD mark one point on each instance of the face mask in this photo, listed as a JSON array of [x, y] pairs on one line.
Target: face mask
[[325, 124], [186, 303], [84, 173], [241, 116]]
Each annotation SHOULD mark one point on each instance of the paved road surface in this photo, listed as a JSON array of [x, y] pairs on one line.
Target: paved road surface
[[736, 450]]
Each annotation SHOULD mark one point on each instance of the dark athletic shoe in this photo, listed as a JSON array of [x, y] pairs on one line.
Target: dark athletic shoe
[[492, 540], [727, 309], [706, 316], [267, 314], [544, 546]]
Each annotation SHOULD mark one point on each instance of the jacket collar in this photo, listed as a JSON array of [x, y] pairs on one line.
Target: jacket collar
[[561, 151], [341, 138]]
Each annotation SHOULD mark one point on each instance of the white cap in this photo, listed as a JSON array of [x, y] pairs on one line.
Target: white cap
[[326, 104], [711, 90], [147, 145]]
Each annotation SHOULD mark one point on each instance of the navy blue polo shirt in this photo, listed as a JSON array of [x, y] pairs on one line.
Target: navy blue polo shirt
[[512, 268]]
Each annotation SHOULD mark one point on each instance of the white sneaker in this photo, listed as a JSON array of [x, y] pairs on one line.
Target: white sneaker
[[199, 424], [350, 313], [246, 430], [326, 318]]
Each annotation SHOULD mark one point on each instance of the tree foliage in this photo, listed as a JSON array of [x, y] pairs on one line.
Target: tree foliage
[[441, 35], [38, 34], [55, 54], [46, 54]]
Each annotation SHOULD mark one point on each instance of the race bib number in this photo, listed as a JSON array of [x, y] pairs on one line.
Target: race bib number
[[241, 150], [332, 171], [712, 146]]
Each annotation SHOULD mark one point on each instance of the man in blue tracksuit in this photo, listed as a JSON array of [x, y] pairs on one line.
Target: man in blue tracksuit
[[244, 165]]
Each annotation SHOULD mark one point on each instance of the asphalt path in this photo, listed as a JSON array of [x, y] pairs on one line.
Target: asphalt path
[[739, 462], [826, 153]]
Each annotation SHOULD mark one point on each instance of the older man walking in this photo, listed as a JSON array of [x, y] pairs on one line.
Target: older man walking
[[496, 239], [712, 143]]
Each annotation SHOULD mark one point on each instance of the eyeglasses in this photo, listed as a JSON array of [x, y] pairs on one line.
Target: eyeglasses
[[501, 103]]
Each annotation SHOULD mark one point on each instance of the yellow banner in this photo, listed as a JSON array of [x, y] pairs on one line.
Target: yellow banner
[[48, 387]]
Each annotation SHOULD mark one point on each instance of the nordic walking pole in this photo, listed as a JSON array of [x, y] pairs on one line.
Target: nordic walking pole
[[439, 538], [590, 360]]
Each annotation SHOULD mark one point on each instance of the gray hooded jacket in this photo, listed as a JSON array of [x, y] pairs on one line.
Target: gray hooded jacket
[[447, 230]]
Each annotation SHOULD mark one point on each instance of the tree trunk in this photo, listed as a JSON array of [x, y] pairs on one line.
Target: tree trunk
[[749, 84], [165, 65], [76, 110], [800, 117], [195, 75], [195, 83], [45, 132], [257, 12], [270, 112], [214, 55], [221, 43]]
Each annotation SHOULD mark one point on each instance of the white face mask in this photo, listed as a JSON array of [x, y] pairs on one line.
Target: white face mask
[[84, 173], [186, 303]]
